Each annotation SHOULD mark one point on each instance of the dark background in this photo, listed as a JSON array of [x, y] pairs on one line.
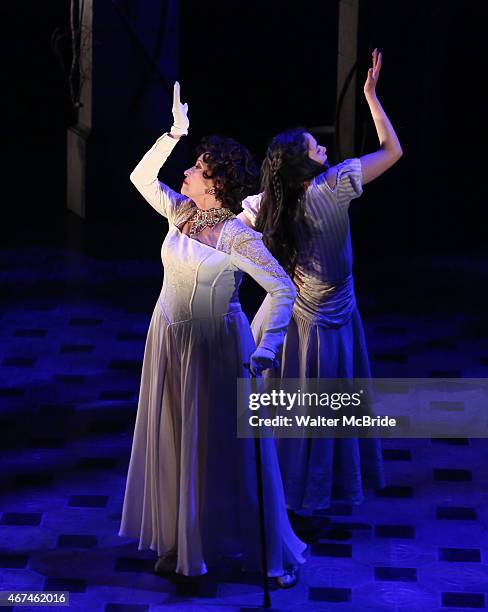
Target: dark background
[[249, 69], [77, 296]]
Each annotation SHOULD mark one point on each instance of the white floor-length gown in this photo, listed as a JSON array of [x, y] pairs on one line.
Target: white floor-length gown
[[191, 485]]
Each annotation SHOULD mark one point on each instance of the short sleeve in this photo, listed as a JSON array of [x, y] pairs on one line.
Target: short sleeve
[[349, 182], [251, 205]]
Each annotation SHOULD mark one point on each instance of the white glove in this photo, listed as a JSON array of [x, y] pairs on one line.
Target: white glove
[[180, 114], [262, 359]]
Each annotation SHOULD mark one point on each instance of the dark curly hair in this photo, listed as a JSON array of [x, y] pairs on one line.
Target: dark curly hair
[[231, 167], [284, 175]]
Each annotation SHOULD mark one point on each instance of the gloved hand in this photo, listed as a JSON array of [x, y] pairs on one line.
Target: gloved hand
[[262, 359], [180, 114]]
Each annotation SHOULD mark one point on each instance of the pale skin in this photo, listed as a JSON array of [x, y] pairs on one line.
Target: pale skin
[[374, 164], [195, 186], [198, 188]]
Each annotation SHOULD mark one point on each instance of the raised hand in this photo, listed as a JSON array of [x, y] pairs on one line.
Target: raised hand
[[373, 74], [180, 114], [390, 150]]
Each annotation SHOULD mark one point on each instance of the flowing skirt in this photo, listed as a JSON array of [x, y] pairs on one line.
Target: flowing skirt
[[191, 485], [316, 470]]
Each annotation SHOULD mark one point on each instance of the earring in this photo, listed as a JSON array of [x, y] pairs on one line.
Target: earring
[[210, 191]]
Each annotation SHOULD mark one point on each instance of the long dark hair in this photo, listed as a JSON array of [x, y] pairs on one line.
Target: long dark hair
[[284, 174], [232, 168]]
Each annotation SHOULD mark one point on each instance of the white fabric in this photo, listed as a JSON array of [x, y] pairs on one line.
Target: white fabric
[[180, 114], [191, 484]]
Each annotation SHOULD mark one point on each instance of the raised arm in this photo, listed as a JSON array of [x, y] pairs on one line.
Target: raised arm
[[390, 151], [145, 174]]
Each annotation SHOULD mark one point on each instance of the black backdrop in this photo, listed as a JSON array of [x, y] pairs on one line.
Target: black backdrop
[[249, 69]]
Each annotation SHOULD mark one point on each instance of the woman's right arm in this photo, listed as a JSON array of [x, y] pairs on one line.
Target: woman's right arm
[[145, 174], [372, 165]]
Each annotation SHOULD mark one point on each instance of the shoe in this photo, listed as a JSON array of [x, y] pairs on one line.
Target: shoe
[[166, 565], [289, 578]]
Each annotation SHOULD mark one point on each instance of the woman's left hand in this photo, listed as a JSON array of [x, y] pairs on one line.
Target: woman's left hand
[[373, 74], [262, 359]]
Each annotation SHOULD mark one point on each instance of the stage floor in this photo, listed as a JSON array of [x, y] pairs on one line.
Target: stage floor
[[74, 316]]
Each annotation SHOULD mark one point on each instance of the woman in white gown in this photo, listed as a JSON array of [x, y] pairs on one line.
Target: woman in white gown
[[191, 486], [303, 214]]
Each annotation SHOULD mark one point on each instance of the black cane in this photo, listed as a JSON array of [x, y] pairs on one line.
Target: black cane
[[259, 479]]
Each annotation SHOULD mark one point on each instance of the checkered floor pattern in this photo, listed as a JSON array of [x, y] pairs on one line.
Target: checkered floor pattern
[[72, 331]]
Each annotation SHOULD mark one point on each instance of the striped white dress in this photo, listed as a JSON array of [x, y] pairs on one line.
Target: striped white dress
[[325, 339]]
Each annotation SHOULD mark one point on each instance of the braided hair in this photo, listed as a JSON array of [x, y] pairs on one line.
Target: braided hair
[[284, 173]]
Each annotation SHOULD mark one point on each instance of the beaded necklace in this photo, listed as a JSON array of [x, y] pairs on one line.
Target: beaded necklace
[[208, 218]]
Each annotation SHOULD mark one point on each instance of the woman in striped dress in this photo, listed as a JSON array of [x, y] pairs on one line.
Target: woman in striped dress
[[303, 214]]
